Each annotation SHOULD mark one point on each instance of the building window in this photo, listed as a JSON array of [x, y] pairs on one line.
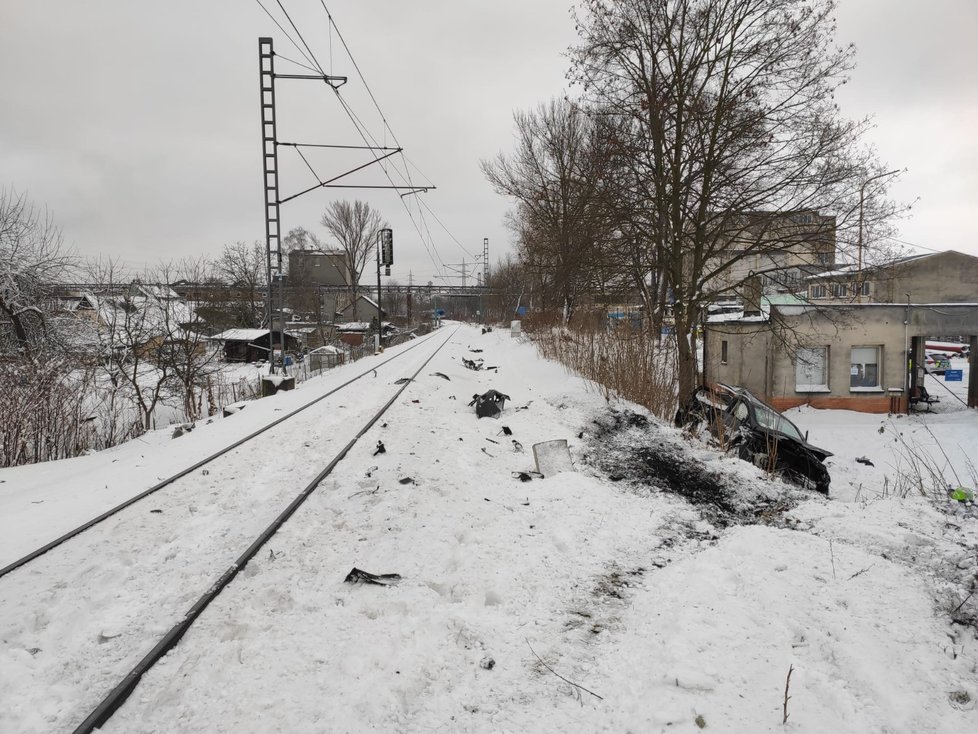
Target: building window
[[860, 289], [811, 370], [817, 291], [864, 370], [840, 290], [723, 352]]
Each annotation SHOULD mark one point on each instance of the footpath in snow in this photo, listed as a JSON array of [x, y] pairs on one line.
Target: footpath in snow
[[659, 587]]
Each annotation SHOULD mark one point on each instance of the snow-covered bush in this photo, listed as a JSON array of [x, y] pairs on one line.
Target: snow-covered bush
[[42, 412]]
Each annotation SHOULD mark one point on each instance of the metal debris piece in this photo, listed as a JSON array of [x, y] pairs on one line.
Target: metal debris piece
[[381, 449], [489, 404], [358, 576], [442, 375], [552, 457]]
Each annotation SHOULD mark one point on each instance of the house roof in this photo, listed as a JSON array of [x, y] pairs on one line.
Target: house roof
[[361, 297], [853, 268], [247, 335], [358, 326], [240, 335]]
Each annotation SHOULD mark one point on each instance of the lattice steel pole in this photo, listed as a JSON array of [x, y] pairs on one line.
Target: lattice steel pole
[[266, 66]]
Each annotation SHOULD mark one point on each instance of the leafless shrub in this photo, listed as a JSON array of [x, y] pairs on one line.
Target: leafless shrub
[[622, 361], [42, 412], [917, 471]]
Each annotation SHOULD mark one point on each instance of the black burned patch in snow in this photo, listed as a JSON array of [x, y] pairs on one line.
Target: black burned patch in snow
[[642, 453]]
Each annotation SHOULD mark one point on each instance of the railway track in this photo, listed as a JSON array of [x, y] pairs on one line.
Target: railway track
[[141, 551], [22, 561]]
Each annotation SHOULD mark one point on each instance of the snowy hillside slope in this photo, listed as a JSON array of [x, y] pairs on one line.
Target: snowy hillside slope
[[629, 595]]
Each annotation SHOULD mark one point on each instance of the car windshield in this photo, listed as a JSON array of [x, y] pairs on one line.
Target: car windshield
[[767, 418]]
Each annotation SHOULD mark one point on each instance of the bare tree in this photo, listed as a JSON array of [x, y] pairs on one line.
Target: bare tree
[[149, 341], [355, 227], [507, 289], [554, 175], [726, 128], [394, 300], [243, 267], [300, 238], [32, 257], [183, 345]]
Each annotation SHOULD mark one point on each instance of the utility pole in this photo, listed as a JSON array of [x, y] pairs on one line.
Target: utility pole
[[266, 68], [485, 281], [270, 147], [462, 268]]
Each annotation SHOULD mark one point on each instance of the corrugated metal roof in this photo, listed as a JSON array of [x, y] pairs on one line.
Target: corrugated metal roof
[[241, 335]]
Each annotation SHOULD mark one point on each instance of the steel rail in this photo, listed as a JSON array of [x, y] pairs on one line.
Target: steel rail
[[118, 696], [169, 480]]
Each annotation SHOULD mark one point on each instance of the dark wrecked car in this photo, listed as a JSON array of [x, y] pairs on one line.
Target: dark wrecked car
[[741, 422]]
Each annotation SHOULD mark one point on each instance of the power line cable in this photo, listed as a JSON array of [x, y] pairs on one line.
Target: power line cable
[[448, 231], [297, 63], [299, 34], [911, 244], [368, 138], [387, 127], [286, 34], [364, 132], [356, 66]]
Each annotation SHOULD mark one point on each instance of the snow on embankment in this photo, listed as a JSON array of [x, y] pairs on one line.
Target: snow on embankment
[[658, 591]]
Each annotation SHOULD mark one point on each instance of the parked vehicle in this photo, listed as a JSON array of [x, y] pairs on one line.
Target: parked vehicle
[[937, 364], [741, 422], [951, 349]]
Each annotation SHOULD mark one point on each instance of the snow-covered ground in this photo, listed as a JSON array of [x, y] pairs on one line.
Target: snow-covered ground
[[624, 596]]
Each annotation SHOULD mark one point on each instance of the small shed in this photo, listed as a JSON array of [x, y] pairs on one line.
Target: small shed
[[355, 332], [366, 310], [326, 357], [252, 345]]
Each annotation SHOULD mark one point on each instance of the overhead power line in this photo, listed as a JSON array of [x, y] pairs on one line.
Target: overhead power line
[[393, 168]]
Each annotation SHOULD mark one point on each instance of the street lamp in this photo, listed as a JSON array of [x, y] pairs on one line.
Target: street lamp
[[862, 191]]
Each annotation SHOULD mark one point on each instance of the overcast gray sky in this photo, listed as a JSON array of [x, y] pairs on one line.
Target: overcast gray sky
[[137, 124]]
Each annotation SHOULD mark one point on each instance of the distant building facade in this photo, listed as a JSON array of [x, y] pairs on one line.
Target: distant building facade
[[318, 267], [854, 350]]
